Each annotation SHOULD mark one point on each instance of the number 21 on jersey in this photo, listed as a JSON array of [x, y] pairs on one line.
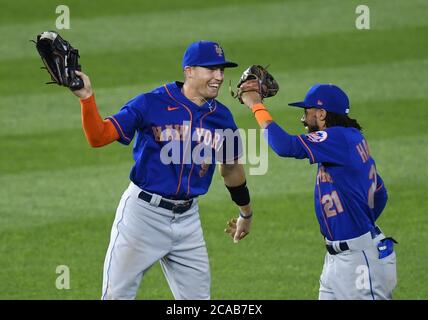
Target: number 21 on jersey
[[332, 204]]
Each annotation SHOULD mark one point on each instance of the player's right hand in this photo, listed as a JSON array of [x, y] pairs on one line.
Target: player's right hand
[[86, 91], [238, 228]]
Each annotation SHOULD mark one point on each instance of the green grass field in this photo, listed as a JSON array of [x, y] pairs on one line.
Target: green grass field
[[58, 196]]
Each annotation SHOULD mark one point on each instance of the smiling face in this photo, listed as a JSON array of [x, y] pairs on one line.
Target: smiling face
[[204, 82]]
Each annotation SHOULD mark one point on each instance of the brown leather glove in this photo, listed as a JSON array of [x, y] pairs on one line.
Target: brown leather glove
[[268, 87]]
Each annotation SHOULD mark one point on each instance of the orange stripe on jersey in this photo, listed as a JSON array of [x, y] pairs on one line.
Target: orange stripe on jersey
[[120, 128], [200, 126], [307, 148], [380, 187], [190, 138]]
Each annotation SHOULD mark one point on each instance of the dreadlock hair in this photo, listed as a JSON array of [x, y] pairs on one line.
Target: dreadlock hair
[[334, 119]]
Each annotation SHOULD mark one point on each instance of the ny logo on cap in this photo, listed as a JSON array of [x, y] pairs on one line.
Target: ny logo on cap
[[319, 102], [219, 50]]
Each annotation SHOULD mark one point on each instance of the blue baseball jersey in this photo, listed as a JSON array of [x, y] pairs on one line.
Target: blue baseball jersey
[[349, 194], [177, 142]]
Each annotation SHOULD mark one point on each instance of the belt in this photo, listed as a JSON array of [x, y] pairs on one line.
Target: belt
[[177, 208], [343, 246]]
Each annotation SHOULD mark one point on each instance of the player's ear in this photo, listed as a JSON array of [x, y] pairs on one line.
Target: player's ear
[[322, 114], [188, 72]]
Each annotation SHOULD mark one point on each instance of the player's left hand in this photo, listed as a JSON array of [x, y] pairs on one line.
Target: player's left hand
[[255, 78], [238, 228], [249, 93], [86, 91]]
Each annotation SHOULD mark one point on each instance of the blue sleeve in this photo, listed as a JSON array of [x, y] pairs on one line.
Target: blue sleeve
[[329, 146], [129, 119], [284, 144], [380, 197]]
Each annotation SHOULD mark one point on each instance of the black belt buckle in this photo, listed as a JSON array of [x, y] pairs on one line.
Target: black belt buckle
[[181, 207]]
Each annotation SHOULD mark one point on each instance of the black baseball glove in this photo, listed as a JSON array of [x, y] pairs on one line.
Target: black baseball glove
[[60, 59], [268, 87]]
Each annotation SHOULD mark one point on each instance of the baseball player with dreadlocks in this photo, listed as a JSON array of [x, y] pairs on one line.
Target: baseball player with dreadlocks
[[158, 215], [349, 196]]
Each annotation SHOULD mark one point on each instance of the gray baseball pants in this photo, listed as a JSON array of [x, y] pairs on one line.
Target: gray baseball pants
[[143, 234], [358, 273]]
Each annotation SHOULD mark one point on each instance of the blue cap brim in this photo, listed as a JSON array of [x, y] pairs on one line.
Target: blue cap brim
[[300, 104], [226, 64]]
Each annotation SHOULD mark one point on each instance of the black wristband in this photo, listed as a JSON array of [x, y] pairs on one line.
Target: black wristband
[[247, 216], [240, 194]]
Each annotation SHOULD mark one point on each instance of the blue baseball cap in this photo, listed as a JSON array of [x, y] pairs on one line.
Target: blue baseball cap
[[204, 54], [325, 96]]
